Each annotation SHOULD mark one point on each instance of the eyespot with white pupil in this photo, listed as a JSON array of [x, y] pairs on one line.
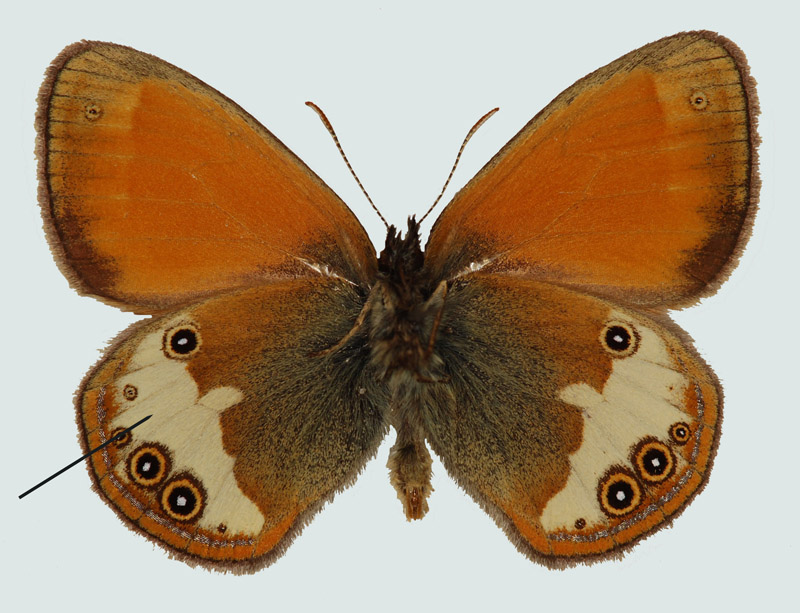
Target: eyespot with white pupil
[[654, 461], [183, 498], [619, 339], [680, 433], [698, 100], [181, 342], [619, 493], [148, 465]]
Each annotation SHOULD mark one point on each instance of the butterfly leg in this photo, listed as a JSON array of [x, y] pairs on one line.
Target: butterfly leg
[[356, 327], [436, 302]]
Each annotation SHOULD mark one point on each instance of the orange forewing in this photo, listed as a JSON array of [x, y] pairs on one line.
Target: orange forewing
[[142, 179], [635, 183]]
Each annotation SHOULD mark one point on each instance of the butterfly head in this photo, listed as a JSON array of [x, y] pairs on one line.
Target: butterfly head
[[401, 260]]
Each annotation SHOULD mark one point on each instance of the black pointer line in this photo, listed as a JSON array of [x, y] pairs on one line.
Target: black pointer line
[[116, 437]]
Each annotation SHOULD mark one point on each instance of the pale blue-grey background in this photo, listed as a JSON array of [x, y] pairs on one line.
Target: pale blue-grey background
[[402, 82]]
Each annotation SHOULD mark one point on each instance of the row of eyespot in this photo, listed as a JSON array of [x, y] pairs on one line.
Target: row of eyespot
[[620, 491], [181, 497]]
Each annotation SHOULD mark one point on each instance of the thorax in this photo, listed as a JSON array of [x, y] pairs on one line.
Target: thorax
[[404, 311]]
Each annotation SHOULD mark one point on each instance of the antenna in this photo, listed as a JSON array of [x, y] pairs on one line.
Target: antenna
[[329, 126], [469, 135]]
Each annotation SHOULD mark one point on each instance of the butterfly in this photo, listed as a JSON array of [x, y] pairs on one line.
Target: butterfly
[[528, 345]]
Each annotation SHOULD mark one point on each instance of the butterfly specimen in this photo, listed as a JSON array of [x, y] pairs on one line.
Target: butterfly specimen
[[528, 345]]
